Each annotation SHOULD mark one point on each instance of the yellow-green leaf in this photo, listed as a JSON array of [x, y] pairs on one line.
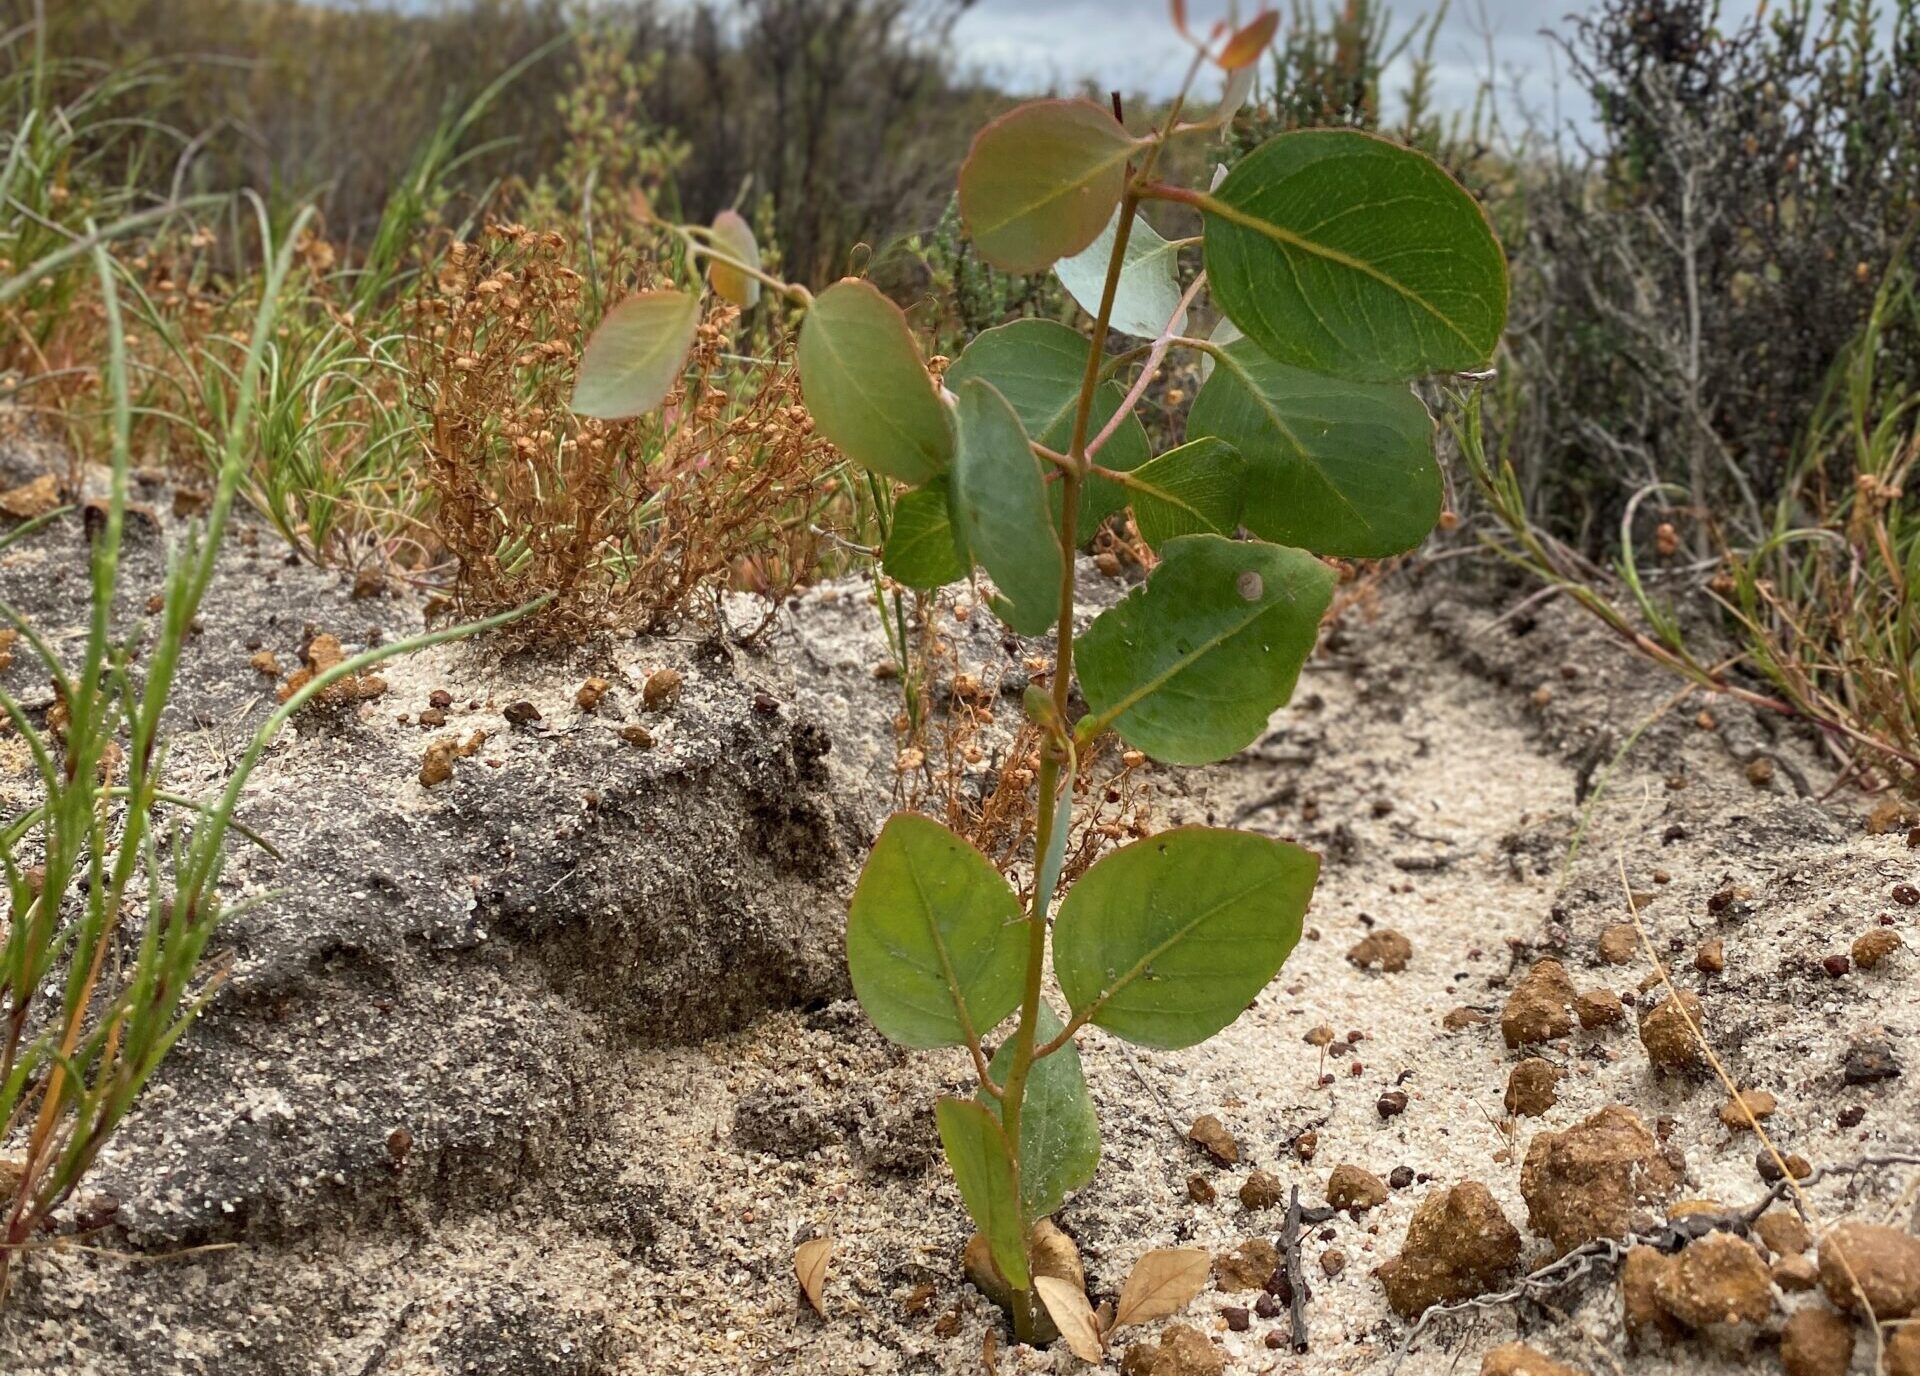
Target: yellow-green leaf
[[1196, 489], [635, 356], [867, 386], [1040, 181], [733, 236], [976, 1148]]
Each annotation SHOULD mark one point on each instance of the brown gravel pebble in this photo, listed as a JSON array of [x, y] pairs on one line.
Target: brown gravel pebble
[[1350, 1187], [1247, 1266], [636, 734], [590, 694], [1642, 1272], [1760, 1103], [1599, 1008], [1531, 1087], [1797, 1166], [1874, 946], [1333, 1261], [1306, 1144], [1617, 944], [661, 690], [1599, 1178], [1184, 1351], [1718, 1279], [1816, 1342], [1391, 1104], [1903, 1351], [1262, 1190], [1384, 949], [1518, 1359], [1211, 1135], [1670, 1042], [1796, 1274], [1538, 1008], [1460, 1019], [1783, 1231], [1200, 1190], [1885, 1261], [1711, 958], [1459, 1244], [1836, 965], [1238, 1318]]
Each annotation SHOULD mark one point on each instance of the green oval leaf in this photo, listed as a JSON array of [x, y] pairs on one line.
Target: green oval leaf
[[633, 359], [1041, 180], [1342, 253], [867, 386], [1037, 365], [1059, 1131], [1196, 489], [1147, 297], [976, 1148], [1167, 940], [935, 940], [1337, 467], [1189, 667], [921, 551], [733, 236], [1000, 510]]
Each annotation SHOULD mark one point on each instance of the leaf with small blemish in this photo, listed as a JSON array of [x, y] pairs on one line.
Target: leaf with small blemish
[[1164, 1282], [1073, 1316], [810, 1268], [1189, 667]]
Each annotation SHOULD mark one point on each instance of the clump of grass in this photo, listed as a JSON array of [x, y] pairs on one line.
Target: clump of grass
[[113, 881]]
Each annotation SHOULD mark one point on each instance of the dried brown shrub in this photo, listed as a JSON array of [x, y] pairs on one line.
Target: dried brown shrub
[[623, 524]]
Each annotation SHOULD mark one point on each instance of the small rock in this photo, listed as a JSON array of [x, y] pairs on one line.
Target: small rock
[[1783, 1232], [1597, 1179], [1694, 1208], [635, 734], [1518, 1359], [266, 665], [590, 694], [1333, 1261], [1211, 1135], [1458, 1245], [1184, 1351], [1795, 1274], [1885, 1261], [1200, 1190], [1836, 966], [1460, 1019], [1350, 1187], [1599, 1008], [1874, 946], [661, 690], [1246, 1267], [1760, 771], [1531, 1087], [1401, 1178], [1617, 944], [1797, 1166], [1903, 1349], [1538, 1009], [1642, 1272], [1262, 1190], [1385, 949], [1667, 1035], [1816, 1342], [1267, 1306], [520, 713], [1759, 1103], [1239, 1320], [1719, 1279], [1391, 1104], [1711, 958], [1869, 1060], [1306, 1144]]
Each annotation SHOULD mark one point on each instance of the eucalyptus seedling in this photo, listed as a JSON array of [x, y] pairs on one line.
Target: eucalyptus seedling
[[1346, 266]]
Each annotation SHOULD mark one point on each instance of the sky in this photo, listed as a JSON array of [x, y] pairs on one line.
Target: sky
[[1031, 45]]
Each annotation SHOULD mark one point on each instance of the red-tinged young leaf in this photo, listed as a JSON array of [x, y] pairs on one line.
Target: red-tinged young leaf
[[733, 236], [635, 357], [1042, 181], [865, 383], [1163, 1282], [1073, 1316], [1180, 15], [810, 1268], [1245, 47]]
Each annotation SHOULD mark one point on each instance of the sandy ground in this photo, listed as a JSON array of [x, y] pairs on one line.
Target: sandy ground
[[1441, 757]]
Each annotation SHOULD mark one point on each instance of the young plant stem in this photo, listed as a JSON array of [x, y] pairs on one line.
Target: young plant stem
[[1056, 752]]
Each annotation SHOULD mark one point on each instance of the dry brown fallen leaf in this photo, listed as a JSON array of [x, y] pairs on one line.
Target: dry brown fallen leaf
[[1073, 1316], [810, 1266], [1163, 1282]]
